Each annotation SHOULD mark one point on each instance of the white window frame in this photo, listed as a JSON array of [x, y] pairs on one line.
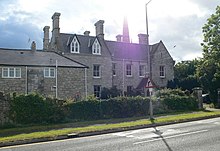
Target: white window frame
[[162, 71], [129, 70], [50, 71], [74, 46], [11, 72], [96, 48], [141, 70], [97, 72]]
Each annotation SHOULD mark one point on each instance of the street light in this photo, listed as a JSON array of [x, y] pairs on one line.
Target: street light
[[148, 60]]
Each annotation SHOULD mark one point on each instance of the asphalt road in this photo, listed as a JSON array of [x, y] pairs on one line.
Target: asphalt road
[[203, 135]]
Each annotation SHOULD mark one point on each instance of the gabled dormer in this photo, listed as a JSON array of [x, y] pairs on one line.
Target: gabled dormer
[[74, 45], [96, 47]]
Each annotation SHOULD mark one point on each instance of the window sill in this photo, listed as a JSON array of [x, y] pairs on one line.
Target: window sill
[[97, 77]]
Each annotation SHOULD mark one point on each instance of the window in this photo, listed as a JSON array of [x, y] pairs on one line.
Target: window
[[114, 69], [74, 48], [11, 72], [96, 71], [128, 69], [129, 89], [49, 72], [162, 71], [96, 48], [97, 91], [141, 70]]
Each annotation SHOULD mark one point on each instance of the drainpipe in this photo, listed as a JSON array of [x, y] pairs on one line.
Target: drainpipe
[[56, 79], [86, 82], [26, 80], [123, 80]]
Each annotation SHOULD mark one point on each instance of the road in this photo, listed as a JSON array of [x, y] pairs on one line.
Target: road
[[203, 135]]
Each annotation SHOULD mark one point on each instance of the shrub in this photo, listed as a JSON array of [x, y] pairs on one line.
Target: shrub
[[178, 100], [34, 109], [119, 107], [110, 93]]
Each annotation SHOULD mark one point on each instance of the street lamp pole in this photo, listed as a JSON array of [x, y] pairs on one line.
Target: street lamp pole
[[149, 63]]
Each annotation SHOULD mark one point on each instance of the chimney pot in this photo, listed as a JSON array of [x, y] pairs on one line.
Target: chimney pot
[[33, 46], [86, 33], [119, 38]]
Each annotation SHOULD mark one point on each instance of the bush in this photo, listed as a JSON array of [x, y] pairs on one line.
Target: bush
[[110, 93], [119, 107], [178, 100], [34, 109]]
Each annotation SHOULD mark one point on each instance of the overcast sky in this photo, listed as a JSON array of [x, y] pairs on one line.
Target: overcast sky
[[178, 23]]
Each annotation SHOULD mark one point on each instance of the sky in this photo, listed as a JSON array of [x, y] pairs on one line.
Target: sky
[[178, 23]]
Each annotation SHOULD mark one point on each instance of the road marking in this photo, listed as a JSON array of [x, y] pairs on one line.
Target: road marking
[[157, 139]]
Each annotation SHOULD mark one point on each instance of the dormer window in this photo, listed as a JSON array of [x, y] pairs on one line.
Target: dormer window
[[74, 46], [96, 48]]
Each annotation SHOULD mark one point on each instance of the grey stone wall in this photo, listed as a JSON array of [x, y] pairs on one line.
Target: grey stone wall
[[8, 85], [162, 58], [71, 82], [133, 80], [105, 62], [4, 109]]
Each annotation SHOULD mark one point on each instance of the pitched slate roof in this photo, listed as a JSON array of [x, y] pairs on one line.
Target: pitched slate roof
[[85, 42], [24, 57], [118, 50]]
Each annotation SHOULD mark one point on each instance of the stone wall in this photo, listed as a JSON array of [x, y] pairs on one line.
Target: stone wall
[[133, 80], [71, 82], [162, 58], [89, 60], [4, 108]]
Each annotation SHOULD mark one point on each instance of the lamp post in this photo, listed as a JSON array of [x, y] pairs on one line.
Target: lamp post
[[149, 63]]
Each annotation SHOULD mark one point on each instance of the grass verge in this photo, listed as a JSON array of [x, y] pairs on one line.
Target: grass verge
[[53, 131]]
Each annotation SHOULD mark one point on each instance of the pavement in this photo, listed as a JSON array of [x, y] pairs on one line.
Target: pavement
[[84, 134]]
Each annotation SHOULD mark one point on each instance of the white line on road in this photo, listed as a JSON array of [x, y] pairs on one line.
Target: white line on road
[[157, 139]]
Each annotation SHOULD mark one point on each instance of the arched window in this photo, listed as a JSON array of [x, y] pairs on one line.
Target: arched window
[[96, 48], [74, 47]]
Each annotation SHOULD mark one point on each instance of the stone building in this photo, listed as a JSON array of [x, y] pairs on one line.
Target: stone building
[[48, 73], [112, 63]]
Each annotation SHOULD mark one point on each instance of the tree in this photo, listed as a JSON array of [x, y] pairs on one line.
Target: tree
[[185, 75], [208, 69]]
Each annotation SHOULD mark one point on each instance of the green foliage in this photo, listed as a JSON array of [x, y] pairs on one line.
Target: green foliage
[[185, 75], [178, 100], [112, 108], [110, 93], [208, 70], [34, 109]]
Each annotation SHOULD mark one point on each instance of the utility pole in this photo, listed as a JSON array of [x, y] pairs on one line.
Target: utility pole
[[149, 64]]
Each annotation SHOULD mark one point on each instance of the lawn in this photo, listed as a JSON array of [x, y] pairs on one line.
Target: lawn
[[53, 131]]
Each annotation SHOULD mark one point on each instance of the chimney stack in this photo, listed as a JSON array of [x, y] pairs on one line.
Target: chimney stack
[[56, 28], [33, 46], [119, 38], [99, 28], [46, 37], [86, 33], [142, 38]]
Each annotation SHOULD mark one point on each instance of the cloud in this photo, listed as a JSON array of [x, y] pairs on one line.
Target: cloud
[[16, 35]]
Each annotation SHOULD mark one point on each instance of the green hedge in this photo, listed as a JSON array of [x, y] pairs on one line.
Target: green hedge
[[119, 107], [34, 109], [178, 100]]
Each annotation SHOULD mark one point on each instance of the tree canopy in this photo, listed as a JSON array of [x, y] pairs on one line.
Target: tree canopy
[[208, 69]]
